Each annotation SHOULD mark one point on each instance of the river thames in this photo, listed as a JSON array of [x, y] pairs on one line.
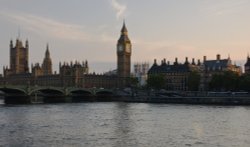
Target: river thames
[[114, 124]]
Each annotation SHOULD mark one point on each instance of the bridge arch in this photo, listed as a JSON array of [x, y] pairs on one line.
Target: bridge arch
[[79, 91], [49, 90], [104, 91], [104, 95], [7, 90], [49, 95], [15, 96], [81, 95]]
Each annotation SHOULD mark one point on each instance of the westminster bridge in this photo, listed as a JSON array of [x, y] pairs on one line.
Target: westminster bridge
[[38, 94]]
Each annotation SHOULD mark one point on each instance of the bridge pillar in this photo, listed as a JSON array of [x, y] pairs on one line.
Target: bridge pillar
[[17, 99]]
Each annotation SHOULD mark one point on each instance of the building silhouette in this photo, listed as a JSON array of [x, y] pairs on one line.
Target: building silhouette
[[70, 74], [124, 53], [176, 75], [247, 65], [141, 72], [47, 63], [19, 58]]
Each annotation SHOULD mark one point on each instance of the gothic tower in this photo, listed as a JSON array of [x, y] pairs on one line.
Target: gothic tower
[[247, 65], [47, 63], [19, 57], [123, 53]]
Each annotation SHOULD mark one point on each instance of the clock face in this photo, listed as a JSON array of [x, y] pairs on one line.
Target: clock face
[[120, 48], [128, 48]]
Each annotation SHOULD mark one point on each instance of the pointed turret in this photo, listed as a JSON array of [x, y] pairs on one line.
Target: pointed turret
[[47, 63], [124, 34], [27, 43], [47, 54], [247, 65], [11, 44], [124, 30]]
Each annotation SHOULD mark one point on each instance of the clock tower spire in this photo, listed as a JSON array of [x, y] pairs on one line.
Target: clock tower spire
[[124, 53]]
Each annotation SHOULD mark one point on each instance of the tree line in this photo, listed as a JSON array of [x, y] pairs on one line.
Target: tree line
[[225, 81]]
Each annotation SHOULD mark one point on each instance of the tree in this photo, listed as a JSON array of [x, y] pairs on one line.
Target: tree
[[230, 81], [134, 81], [194, 81], [244, 82], [156, 81], [227, 81]]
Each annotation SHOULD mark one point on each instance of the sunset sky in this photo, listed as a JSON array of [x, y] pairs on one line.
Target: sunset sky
[[89, 29]]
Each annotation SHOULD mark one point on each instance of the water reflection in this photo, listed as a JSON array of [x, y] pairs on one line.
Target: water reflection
[[124, 124]]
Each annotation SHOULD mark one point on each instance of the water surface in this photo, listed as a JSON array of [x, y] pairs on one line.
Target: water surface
[[124, 124]]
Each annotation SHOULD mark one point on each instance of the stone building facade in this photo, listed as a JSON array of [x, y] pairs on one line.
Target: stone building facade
[[70, 74], [124, 50], [19, 58], [217, 66], [176, 75]]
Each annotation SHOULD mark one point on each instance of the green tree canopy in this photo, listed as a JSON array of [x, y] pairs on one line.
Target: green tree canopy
[[244, 82], [227, 81], [156, 81], [194, 81]]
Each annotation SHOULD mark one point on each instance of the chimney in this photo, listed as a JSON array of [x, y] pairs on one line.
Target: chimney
[[193, 62], [204, 58], [168, 63], [199, 62], [155, 62], [164, 60], [186, 62], [218, 57], [176, 60]]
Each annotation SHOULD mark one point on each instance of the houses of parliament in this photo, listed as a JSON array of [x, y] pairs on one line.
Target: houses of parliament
[[70, 74], [176, 76]]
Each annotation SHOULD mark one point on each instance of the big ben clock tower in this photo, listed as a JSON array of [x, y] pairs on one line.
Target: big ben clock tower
[[123, 53]]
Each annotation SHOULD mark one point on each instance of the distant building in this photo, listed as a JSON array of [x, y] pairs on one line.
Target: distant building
[[247, 65], [141, 72], [70, 74], [47, 63], [19, 58], [219, 65], [176, 74], [46, 67], [124, 50]]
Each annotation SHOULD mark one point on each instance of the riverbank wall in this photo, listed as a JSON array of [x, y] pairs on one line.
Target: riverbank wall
[[191, 100]]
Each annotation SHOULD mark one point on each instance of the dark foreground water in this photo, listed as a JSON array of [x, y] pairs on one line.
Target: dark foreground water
[[124, 124]]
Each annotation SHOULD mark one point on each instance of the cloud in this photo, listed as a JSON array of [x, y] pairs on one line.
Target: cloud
[[119, 8], [225, 7], [49, 27]]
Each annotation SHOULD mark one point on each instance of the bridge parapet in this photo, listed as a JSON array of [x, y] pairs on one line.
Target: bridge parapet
[[29, 90]]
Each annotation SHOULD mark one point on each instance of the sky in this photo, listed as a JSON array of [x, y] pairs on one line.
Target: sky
[[89, 29]]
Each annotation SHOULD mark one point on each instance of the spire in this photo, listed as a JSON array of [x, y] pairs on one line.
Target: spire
[[86, 64], [11, 43], [124, 34], [47, 54], [27, 43], [19, 33], [124, 28]]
